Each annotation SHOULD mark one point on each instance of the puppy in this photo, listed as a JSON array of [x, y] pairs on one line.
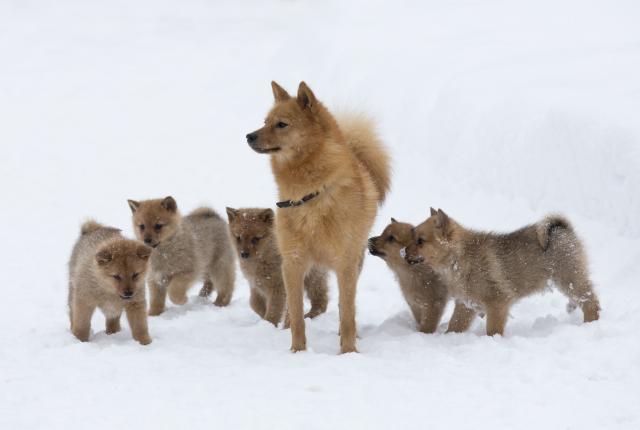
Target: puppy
[[331, 175], [254, 239], [423, 290], [186, 249], [107, 271], [493, 271]]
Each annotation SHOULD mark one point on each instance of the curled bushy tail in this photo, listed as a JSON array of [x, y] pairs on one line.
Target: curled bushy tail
[[550, 223], [204, 212], [90, 226], [360, 134]]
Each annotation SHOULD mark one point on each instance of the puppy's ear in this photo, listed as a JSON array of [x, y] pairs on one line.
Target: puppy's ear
[[169, 204], [134, 205], [306, 98], [433, 211], [393, 220], [279, 93], [443, 224], [232, 214], [143, 252], [266, 216], [104, 256]]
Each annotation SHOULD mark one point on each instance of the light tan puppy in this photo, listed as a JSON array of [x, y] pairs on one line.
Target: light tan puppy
[[331, 176], [107, 271], [254, 238], [493, 270], [421, 287], [186, 249]]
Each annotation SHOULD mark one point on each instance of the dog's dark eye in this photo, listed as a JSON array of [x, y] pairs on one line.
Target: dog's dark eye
[[420, 241], [238, 239], [282, 124], [158, 227], [391, 239], [135, 276], [255, 240], [141, 227], [117, 277]]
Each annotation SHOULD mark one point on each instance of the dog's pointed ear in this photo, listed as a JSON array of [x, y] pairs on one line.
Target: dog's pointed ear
[[393, 220], [232, 214], [134, 205], [279, 93], [306, 98], [104, 256], [442, 222], [433, 211], [169, 204], [267, 216], [143, 252]]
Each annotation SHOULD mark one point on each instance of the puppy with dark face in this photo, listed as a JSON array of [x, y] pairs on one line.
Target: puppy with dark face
[[493, 271], [107, 271], [423, 290], [186, 249], [253, 236]]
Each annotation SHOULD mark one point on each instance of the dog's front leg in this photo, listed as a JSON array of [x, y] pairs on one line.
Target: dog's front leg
[[347, 279], [293, 273]]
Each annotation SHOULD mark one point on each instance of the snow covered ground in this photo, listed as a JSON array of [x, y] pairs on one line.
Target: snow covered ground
[[498, 112]]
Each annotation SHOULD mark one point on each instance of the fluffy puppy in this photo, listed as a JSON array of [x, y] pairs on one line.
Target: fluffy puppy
[[493, 271], [421, 287], [107, 271], [254, 238], [186, 249]]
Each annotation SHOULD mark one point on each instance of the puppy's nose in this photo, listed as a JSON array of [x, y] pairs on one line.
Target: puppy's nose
[[127, 293], [415, 260], [252, 137], [244, 254], [148, 240]]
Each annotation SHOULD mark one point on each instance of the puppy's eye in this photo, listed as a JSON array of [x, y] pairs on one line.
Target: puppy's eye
[[255, 240], [282, 124], [391, 239], [158, 227], [141, 227], [117, 277], [135, 276], [420, 241]]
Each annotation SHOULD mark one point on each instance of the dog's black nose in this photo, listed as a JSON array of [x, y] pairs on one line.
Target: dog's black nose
[[148, 240], [244, 254], [252, 137], [127, 294]]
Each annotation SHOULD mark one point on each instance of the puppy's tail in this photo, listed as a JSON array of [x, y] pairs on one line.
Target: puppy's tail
[[204, 212], [360, 134], [90, 226], [548, 225]]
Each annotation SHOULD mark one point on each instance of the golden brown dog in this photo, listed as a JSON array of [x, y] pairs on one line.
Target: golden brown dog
[[331, 176]]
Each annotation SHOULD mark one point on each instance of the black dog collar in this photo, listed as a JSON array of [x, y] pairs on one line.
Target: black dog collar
[[293, 203]]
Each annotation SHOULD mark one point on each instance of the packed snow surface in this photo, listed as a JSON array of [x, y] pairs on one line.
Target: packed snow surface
[[498, 112]]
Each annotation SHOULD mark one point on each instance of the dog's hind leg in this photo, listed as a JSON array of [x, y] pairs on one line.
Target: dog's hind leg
[[461, 318], [206, 289], [224, 278]]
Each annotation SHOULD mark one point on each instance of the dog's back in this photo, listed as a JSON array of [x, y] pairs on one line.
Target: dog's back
[[210, 238]]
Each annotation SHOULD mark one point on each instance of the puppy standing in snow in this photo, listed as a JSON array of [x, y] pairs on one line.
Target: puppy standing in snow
[[254, 238], [493, 271], [331, 176], [186, 249], [421, 287], [107, 271]]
